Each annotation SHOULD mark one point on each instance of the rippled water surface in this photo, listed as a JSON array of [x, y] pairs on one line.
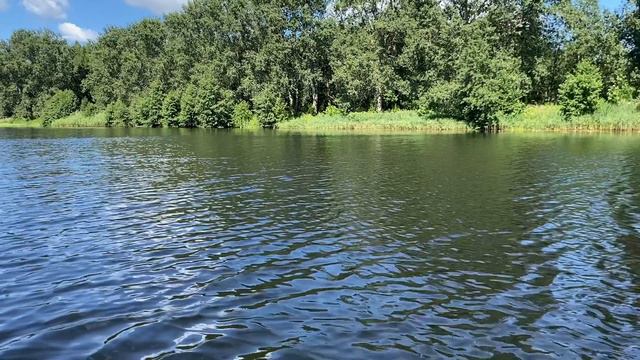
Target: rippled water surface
[[150, 244]]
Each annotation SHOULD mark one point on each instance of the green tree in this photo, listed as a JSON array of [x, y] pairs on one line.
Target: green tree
[[33, 65], [139, 111], [59, 105], [214, 106], [153, 102], [480, 85], [188, 105], [468, 59], [242, 115], [125, 61], [270, 109], [117, 114], [171, 109], [580, 93]]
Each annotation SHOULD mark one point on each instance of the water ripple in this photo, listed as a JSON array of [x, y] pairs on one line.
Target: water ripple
[[144, 244]]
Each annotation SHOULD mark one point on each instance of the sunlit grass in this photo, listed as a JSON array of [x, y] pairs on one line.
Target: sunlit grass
[[608, 117], [20, 123], [365, 121], [253, 124], [79, 120]]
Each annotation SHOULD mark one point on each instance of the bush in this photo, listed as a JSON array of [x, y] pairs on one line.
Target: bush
[[242, 115], [109, 119], [88, 108], [139, 111], [214, 105], [171, 109], [492, 85], [9, 99], [188, 114], [620, 92], [333, 110], [30, 107], [154, 100], [61, 104], [498, 92], [443, 99], [580, 92], [24, 109], [270, 109], [146, 109], [117, 114]]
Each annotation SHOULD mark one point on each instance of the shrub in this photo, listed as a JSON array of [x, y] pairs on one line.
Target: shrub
[[59, 105], [171, 109], [24, 109], [333, 110], [188, 114], [214, 105], [30, 107], [146, 109], [242, 115], [109, 119], [153, 101], [620, 92], [9, 99], [270, 108], [443, 99], [490, 86], [139, 111], [88, 108], [117, 114], [580, 92]]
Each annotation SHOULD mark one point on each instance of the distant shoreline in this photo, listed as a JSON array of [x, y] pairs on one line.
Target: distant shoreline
[[623, 117]]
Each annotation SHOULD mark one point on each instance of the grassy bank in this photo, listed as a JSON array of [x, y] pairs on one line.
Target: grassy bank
[[19, 123], [608, 117], [391, 121], [77, 120]]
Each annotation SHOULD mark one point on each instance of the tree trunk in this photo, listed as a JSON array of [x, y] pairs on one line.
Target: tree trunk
[[316, 105], [379, 100]]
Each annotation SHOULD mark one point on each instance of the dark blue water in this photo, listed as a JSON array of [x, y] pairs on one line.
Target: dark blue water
[[152, 244]]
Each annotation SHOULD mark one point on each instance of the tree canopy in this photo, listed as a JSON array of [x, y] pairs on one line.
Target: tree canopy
[[215, 59]]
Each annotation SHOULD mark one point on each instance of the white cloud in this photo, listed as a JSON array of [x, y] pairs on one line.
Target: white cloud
[[158, 6], [56, 9], [4, 5], [72, 32]]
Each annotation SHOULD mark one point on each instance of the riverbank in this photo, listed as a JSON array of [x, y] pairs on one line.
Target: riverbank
[[534, 118], [364, 121], [609, 117], [77, 120]]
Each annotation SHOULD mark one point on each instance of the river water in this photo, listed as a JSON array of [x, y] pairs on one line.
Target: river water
[[158, 244]]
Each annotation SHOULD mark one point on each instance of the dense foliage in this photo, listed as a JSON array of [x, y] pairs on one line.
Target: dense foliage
[[580, 93], [228, 63], [61, 104]]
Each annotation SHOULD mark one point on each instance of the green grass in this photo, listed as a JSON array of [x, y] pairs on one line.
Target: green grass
[[368, 121], [79, 120], [535, 118], [76, 120], [608, 117], [19, 123]]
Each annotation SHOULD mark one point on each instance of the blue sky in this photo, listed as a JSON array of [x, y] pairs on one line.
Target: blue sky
[[82, 20], [79, 20]]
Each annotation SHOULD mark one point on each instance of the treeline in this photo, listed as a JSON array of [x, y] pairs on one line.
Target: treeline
[[221, 63]]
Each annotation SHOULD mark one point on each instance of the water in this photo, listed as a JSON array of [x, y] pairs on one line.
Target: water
[[131, 244]]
